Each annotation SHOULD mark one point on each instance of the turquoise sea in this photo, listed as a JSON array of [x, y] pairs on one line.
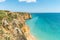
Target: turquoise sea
[[45, 26]]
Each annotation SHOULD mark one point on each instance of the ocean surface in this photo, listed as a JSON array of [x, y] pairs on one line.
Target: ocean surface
[[45, 26]]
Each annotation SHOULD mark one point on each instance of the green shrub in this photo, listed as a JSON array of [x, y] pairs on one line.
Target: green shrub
[[2, 15]]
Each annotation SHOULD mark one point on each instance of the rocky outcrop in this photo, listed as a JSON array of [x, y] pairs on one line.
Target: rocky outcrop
[[13, 27]]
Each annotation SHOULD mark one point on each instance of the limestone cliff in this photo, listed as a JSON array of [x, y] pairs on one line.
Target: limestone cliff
[[13, 27]]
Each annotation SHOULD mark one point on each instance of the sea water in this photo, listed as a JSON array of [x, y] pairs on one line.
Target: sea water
[[45, 26]]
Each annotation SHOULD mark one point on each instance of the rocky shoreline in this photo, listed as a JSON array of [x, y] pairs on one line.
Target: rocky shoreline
[[13, 27]]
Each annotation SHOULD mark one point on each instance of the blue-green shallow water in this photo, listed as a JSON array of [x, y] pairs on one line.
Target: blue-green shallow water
[[45, 26]]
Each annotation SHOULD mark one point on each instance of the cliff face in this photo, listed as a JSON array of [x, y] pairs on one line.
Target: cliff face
[[13, 27]]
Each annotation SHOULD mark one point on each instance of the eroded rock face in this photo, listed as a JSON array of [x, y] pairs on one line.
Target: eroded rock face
[[13, 26]]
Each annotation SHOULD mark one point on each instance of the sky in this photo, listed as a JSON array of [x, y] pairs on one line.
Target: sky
[[33, 6]]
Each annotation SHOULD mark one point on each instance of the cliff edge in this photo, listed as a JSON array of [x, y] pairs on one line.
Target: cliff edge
[[13, 27]]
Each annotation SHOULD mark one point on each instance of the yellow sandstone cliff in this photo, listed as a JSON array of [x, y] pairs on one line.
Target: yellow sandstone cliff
[[13, 27]]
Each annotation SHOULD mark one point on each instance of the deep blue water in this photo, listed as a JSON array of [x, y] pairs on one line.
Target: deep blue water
[[45, 26]]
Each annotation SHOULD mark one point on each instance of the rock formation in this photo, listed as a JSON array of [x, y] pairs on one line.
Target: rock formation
[[13, 27]]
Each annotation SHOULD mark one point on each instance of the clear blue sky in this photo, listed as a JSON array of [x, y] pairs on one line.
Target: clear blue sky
[[38, 6]]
